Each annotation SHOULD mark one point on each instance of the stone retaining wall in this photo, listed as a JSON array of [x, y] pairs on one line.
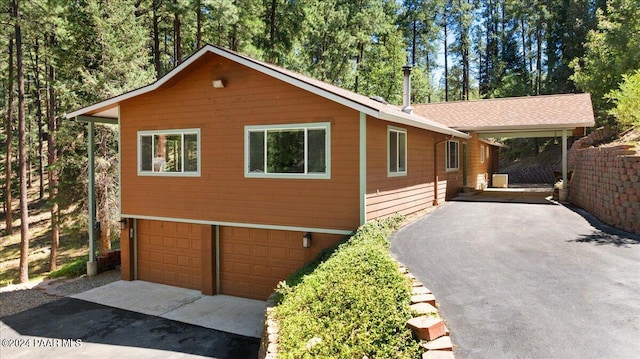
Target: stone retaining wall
[[605, 181]]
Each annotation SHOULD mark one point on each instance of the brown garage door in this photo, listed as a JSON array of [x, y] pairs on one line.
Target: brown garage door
[[253, 261], [170, 253]]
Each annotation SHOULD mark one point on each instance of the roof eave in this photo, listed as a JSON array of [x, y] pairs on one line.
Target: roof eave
[[410, 121], [538, 127]]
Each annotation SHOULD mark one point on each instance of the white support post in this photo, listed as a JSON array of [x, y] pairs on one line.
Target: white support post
[[564, 192], [363, 167]]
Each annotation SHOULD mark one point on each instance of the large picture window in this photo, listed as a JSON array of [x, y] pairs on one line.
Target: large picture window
[[169, 152], [288, 151], [452, 155], [397, 158]]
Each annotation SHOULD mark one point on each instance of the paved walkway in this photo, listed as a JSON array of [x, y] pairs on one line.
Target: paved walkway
[[517, 280]]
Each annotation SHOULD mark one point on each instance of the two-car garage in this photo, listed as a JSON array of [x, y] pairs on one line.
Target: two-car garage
[[251, 261]]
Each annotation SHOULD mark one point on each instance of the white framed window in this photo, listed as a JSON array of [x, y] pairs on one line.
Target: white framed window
[[452, 155], [481, 153], [288, 151], [169, 152], [397, 151]]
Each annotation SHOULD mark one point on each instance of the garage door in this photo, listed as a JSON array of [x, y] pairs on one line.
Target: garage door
[[170, 253], [253, 261]]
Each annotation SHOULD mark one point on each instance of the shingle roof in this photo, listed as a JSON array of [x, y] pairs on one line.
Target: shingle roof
[[514, 113]]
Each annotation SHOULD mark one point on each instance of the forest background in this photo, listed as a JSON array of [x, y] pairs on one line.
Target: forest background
[[60, 55]]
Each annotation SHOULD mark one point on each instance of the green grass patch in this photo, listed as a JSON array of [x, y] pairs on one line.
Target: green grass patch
[[75, 268], [353, 301]]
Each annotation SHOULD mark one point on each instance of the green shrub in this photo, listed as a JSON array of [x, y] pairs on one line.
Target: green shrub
[[355, 303], [75, 268]]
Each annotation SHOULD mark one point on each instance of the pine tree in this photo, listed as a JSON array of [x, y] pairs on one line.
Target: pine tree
[[611, 52]]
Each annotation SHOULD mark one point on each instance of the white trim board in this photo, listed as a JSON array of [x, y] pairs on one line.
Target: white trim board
[[242, 225]]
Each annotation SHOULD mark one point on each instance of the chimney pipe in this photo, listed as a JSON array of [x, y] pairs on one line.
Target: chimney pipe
[[406, 91]]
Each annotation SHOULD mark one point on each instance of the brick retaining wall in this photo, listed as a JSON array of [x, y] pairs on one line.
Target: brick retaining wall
[[606, 181]]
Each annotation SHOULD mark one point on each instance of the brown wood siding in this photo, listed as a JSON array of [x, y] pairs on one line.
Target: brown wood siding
[[170, 253], [398, 194], [253, 261], [222, 193], [476, 171]]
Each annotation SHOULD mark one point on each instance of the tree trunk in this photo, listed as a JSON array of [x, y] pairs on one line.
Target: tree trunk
[[156, 39], [271, 53], [538, 57], [22, 151], [446, 56], [177, 41], [524, 55], [198, 24], [52, 147], [103, 196], [9, 127], [38, 98], [413, 40]]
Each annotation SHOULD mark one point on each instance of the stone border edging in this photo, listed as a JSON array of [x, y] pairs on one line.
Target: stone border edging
[[428, 326]]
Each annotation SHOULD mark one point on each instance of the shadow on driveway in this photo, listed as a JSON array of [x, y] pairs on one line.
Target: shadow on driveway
[[603, 234], [70, 318]]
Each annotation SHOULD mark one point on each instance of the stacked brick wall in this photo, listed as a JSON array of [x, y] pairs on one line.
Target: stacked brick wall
[[606, 181]]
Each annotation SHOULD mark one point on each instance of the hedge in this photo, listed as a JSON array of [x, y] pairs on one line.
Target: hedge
[[353, 303]]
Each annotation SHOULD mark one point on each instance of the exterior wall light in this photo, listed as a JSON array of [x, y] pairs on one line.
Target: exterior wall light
[[218, 84], [306, 240], [123, 224]]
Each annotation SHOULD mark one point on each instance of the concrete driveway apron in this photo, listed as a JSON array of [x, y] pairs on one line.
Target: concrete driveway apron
[[518, 280], [136, 320]]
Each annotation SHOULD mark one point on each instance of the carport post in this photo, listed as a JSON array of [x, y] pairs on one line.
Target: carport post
[[92, 265], [565, 184]]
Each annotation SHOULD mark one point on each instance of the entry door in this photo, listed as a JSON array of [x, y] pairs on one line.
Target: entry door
[[464, 164]]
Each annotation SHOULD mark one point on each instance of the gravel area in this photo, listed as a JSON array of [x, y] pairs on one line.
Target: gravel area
[[17, 298]]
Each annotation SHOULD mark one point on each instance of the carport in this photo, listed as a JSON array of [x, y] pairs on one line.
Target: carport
[[518, 117]]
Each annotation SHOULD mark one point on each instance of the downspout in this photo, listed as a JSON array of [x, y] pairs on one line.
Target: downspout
[[435, 168]]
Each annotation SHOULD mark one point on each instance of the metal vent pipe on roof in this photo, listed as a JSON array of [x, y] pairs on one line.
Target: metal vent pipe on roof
[[406, 91]]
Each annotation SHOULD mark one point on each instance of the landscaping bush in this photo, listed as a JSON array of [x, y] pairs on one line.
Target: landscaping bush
[[72, 269], [354, 304]]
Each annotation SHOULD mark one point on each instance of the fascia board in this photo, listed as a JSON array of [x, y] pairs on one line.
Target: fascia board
[[514, 128], [422, 124]]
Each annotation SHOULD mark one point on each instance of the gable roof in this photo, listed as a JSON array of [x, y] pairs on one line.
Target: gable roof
[[513, 113], [109, 107]]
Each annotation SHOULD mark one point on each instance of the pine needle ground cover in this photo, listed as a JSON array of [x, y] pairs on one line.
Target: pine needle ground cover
[[351, 303]]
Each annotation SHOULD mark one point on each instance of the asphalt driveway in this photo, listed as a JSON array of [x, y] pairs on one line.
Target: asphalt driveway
[[74, 328], [518, 280]]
